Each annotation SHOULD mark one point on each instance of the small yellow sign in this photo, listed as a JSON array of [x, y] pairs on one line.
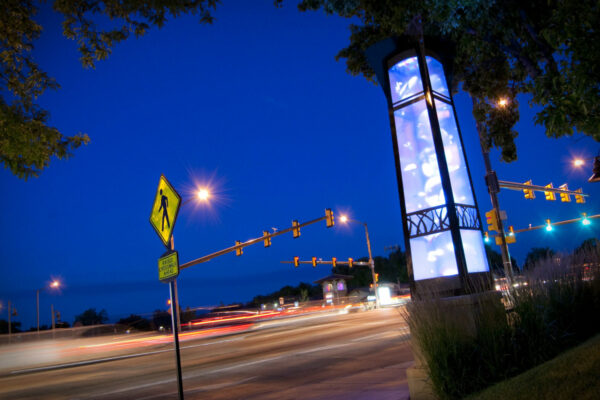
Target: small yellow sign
[[165, 210], [168, 267]]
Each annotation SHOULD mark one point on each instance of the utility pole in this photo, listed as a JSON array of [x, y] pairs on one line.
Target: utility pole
[[491, 179]]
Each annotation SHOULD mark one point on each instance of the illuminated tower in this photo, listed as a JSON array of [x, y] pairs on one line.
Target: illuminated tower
[[442, 228]]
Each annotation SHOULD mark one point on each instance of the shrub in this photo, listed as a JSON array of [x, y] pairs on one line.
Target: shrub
[[556, 308]]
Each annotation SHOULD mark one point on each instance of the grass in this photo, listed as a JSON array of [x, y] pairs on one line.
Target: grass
[[469, 348], [571, 375]]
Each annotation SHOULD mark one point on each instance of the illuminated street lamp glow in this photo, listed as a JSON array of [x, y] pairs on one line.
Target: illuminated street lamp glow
[[502, 102], [344, 219], [578, 162], [55, 284], [203, 194]]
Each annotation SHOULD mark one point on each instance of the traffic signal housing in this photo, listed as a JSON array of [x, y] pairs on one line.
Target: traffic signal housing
[[296, 261], [511, 238], [529, 194], [579, 197], [350, 262], [329, 217], [296, 230], [240, 250], [584, 219], [334, 262], [492, 220], [565, 197], [267, 240], [314, 261], [550, 195]]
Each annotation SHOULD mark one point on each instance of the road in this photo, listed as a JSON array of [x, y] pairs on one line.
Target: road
[[360, 355]]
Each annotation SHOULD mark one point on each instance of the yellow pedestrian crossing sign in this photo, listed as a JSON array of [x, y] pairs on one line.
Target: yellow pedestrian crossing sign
[[165, 210]]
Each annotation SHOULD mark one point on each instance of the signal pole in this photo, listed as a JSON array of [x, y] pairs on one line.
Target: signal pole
[[491, 179]]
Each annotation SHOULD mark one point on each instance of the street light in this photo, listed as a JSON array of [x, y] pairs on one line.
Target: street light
[[344, 219], [202, 194], [53, 285]]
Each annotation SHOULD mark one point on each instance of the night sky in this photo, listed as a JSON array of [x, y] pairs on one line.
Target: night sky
[[256, 107]]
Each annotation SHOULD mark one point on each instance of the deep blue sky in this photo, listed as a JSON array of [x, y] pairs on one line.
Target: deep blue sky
[[255, 105]]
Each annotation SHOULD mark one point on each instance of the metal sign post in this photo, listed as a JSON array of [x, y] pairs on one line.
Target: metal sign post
[[165, 210], [175, 324]]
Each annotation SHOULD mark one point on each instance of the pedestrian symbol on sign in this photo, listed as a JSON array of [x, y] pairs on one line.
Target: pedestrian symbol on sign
[[164, 204], [164, 210]]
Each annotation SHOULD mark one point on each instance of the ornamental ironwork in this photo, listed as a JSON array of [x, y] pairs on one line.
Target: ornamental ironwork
[[428, 221], [435, 219], [467, 216]]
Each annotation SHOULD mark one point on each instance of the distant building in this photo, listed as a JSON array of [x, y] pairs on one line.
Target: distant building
[[335, 289]]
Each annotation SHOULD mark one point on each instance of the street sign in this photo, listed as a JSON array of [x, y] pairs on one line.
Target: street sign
[[165, 210], [168, 266]]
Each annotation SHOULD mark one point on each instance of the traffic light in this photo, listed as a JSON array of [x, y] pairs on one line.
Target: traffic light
[[350, 262], [334, 262], [529, 194], [565, 197], [376, 277], [329, 217], [511, 238], [314, 261], [486, 237], [240, 250], [585, 220], [57, 314], [492, 220], [296, 227], [267, 239], [296, 261], [579, 197], [550, 195], [548, 225]]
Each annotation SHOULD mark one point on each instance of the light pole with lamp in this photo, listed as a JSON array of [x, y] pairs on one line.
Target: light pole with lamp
[[345, 219], [491, 180], [55, 284]]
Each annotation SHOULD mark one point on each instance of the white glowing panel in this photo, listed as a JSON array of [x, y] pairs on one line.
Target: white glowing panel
[[459, 178], [385, 297], [437, 77], [420, 172], [433, 256], [405, 79], [474, 251]]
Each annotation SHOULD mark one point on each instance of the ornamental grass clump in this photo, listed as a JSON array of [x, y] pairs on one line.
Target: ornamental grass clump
[[554, 306]]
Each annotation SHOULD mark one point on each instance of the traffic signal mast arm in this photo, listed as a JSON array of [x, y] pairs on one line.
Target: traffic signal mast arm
[[247, 243], [569, 221], [330, 262], [522, 186]]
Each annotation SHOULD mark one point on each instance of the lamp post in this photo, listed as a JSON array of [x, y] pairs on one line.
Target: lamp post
[[578, 162], [491, 180], [55, 284], [345, 219]]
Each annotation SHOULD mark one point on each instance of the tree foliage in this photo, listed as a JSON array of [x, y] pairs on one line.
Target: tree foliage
[[27, 142], [495, 261], [548, 49], [303, 292], [391, 269], [91, 317], [136, 322], [536, 255]]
